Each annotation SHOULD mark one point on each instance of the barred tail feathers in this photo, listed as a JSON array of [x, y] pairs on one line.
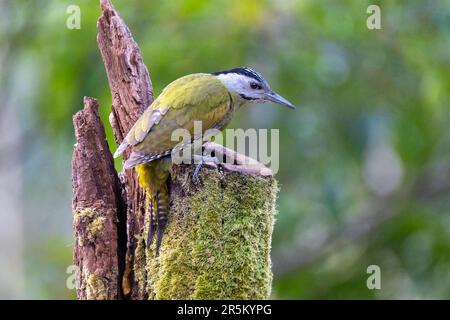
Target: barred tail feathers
[[159, 209], [162, 201]]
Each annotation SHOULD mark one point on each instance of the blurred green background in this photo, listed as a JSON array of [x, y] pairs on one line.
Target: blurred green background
[[364, 160]]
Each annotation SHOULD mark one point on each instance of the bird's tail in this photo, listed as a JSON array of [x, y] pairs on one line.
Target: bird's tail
[[153, 178], [158, 216]]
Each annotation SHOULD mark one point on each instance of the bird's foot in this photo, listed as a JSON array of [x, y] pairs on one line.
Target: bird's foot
[[200, 160]]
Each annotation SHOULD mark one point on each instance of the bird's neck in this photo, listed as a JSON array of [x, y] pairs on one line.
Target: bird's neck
[[236, 103], [237, 100]]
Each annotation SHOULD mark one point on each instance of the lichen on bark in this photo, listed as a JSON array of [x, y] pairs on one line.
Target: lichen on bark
[[95, 288], [93, 222]]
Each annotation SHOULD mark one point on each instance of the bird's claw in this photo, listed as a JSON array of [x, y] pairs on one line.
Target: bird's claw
[[202, 159], [196, 171]]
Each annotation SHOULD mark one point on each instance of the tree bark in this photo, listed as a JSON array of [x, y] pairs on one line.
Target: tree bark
[[131, 92], [95, 208], [218, 237]]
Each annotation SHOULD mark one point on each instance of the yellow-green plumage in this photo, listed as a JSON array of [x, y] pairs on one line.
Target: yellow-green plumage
[[197, 97], [209, 98]]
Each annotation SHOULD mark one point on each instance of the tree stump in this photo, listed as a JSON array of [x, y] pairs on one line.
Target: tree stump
[[96, 205], [218, 237]]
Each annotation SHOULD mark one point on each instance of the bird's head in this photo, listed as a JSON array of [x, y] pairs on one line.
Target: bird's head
[[250, 86]]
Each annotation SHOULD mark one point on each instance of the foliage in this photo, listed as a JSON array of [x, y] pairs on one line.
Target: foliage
[[370, 133]]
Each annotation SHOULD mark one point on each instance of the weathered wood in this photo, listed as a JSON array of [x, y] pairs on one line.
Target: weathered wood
[[131, 92], [95, 208]]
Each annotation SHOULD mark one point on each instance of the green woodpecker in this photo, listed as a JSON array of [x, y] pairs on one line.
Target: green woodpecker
[[211, 98]]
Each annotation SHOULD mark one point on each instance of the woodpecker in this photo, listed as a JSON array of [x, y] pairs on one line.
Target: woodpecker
[[211, 98]]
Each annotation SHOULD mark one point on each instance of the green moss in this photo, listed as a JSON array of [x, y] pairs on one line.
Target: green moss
[[140, 273], [95, 288], [218, 240], [92, 220]]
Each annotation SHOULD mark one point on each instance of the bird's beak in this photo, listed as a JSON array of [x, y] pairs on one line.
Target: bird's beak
[[275, 97]]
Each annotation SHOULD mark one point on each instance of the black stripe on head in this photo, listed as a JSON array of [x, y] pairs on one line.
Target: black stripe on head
[[244, 71], [243, 96]]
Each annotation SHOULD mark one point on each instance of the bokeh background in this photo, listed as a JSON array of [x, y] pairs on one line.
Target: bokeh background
[[364, 160]]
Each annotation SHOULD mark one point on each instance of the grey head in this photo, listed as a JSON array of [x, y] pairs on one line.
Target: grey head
[[250, 86]]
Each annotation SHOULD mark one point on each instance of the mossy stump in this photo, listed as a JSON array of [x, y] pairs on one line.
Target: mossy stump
[[217, 243]]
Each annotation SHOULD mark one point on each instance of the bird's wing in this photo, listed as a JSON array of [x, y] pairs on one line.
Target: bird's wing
[[198, 97], [151, 116]]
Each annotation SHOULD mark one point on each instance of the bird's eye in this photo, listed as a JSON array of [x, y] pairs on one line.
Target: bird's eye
[[255, 86]]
